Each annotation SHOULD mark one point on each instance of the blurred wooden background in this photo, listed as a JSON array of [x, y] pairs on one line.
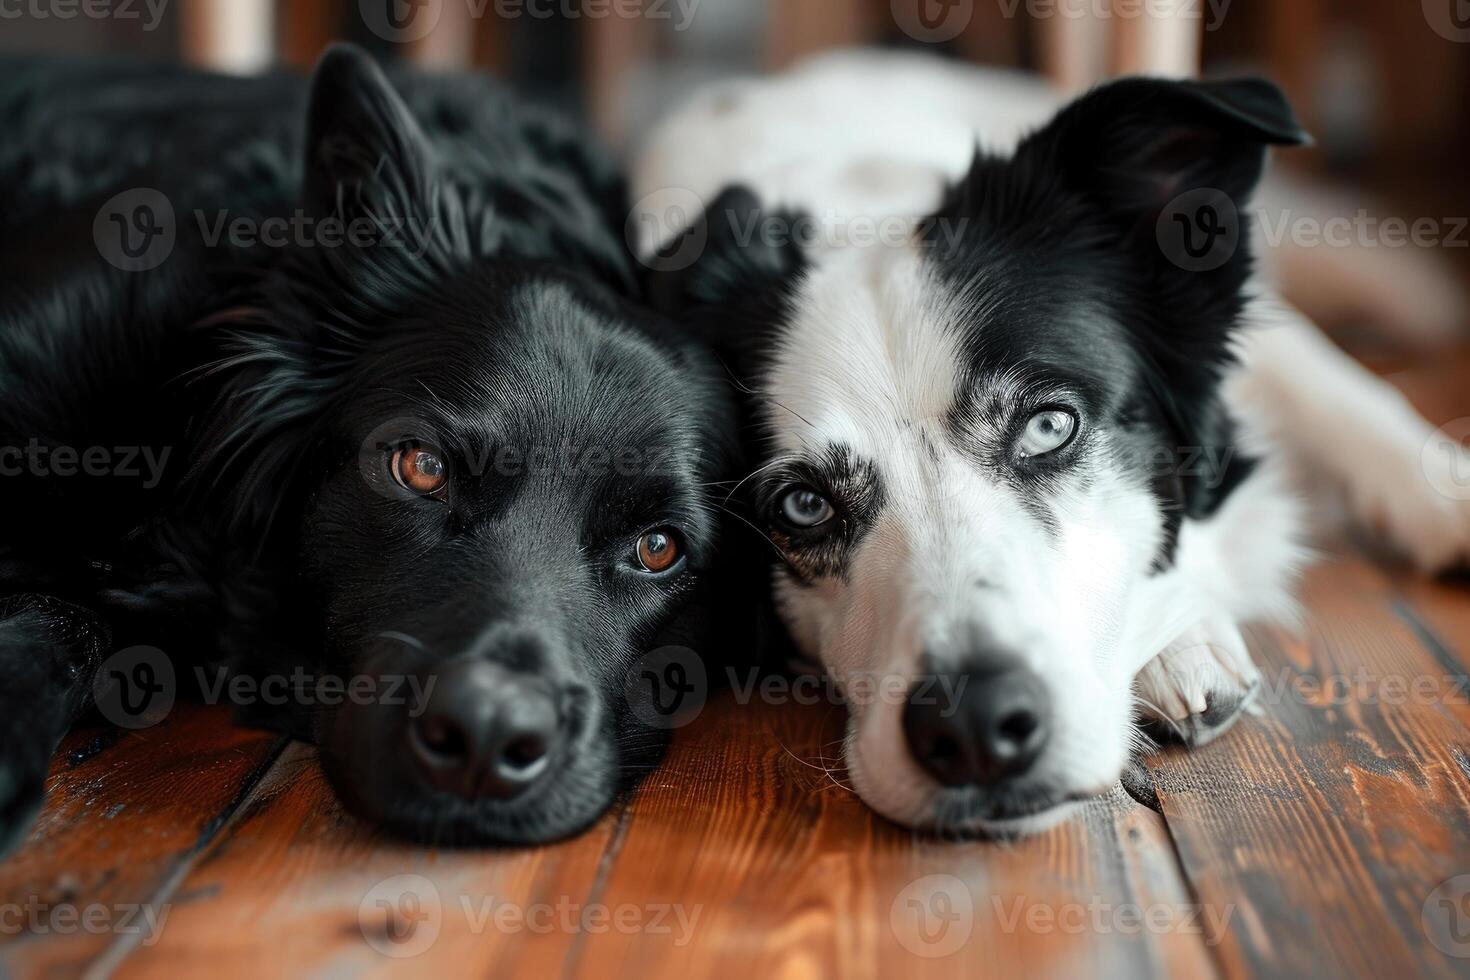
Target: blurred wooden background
[[1381, 84]]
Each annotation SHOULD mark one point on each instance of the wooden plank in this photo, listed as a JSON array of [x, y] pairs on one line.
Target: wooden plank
[[125, 815], [1329, 819], [297, 886], [778, 870]]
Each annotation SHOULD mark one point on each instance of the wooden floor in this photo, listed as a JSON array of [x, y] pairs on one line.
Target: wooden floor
[[1312, 840]]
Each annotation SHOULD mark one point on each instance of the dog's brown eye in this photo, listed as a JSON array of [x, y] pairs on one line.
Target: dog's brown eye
[[421, 471], [658, 550]]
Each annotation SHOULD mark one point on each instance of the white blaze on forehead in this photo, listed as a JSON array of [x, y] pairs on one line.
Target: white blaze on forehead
[[867, 354]]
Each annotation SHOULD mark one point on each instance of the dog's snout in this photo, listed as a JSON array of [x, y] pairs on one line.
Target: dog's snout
[[487, 732], [981, 729]]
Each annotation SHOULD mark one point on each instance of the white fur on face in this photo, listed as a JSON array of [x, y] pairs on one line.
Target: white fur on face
[[955, 559]]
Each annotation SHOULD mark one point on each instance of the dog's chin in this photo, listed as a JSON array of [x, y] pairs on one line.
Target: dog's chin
[[447, 821], [1037, 814], [549, 813], [971, 813]]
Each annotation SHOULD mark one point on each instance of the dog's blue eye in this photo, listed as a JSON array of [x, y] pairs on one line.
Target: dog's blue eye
[[803, 507], [1047, 431]]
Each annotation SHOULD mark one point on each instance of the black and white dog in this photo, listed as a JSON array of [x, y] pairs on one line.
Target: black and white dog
[[406, 428], [1024, 446]]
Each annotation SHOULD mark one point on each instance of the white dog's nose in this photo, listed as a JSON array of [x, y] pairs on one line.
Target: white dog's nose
[[991, 725]]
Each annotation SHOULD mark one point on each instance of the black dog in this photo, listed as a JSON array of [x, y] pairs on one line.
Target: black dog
[[380, 405]]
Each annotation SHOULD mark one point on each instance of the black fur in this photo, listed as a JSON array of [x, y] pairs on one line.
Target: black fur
[[501, 327]]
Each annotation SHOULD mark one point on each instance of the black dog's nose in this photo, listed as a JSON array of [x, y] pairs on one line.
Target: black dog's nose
[[988, 730], [487, 732]]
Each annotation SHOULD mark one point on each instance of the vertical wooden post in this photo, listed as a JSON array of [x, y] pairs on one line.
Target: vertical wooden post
[[228, 35], [613, 45], [1157, 37], [796, 28], [450, 45], [1072, 48], [307, 28]]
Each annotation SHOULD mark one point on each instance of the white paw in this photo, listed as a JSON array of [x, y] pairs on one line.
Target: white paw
[[1417, 496], [1198, 686]]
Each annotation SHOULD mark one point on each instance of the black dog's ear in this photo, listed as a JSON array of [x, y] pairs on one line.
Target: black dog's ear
[[1135, 145], [365, 152], [735, 253]]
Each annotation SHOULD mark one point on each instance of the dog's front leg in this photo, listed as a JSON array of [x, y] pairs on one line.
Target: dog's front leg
[[1194, 676], [49, 654], [1198, 686], [1398, 476]]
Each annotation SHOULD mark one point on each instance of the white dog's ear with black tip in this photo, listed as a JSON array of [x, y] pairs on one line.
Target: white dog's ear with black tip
[[366, 155]]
